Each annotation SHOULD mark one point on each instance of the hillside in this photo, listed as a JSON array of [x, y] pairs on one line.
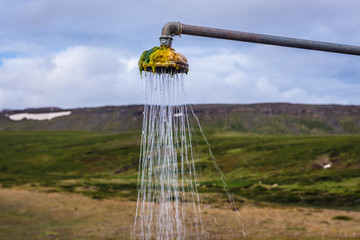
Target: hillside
[[266, 118]]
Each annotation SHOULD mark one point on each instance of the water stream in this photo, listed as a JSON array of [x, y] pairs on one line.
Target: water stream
[[169, 205]]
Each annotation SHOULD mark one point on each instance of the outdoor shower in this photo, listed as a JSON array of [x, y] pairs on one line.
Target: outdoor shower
[[170, 204]]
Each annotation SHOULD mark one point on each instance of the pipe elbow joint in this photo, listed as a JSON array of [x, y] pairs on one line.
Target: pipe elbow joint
[[171, 29], [168, 31]]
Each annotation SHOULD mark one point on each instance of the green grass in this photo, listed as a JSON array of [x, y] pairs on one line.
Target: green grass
[[278, 169]]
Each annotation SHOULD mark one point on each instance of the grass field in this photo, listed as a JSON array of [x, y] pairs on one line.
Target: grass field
[[281, 169], [263, 172]]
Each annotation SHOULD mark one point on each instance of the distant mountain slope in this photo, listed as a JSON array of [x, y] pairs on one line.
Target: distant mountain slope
[[266, 118]]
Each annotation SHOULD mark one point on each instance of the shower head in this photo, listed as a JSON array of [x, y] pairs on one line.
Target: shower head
[[163, 59]]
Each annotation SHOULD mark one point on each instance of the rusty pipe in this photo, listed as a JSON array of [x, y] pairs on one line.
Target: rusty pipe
[[176, 29]]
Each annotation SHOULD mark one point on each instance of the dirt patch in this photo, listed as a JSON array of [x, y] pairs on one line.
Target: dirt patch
[[62, 216], [38, 215]]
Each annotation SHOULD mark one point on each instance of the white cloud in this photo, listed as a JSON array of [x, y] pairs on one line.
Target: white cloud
[[89, 76], [77, 76], [248, 78]]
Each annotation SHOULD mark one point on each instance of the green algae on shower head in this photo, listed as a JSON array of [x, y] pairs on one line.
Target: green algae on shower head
[[163, 59]]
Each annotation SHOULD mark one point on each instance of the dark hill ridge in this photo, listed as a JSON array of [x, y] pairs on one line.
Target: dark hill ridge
[[265, 118]]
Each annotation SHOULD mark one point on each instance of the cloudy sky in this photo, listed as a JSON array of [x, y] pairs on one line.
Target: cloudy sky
[[80, 53]]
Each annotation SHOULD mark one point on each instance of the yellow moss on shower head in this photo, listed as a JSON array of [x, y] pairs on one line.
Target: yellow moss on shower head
[[163, 60]]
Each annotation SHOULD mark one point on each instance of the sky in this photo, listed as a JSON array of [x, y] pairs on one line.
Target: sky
[[84, 53]]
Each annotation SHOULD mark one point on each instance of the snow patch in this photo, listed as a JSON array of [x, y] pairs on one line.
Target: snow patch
[[38, 116], [327, 165]]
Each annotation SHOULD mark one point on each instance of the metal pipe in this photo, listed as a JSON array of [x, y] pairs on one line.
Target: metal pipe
[[176, 28]]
